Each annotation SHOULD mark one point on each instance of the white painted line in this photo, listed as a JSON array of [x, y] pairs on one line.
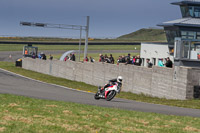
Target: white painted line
[[45, 82]]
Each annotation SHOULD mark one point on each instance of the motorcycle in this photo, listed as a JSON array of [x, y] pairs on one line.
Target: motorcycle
[[108, 93]]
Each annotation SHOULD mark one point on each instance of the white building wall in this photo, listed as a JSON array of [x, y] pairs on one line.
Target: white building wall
[[154, 50]]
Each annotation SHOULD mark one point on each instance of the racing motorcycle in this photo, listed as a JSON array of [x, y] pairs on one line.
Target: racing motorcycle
[[108, 93]]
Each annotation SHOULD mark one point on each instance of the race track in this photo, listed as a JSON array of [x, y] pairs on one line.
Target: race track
[[11, 83]]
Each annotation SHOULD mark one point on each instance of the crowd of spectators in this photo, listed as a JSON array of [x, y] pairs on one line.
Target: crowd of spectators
[[106, 59], [41, 56], [71, 57], [161, 63], [134, 60]]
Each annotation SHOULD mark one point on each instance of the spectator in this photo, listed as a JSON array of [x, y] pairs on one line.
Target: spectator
[[112, 60], [92, 59], [40, 55], [70, 56], [123, 59], [128, 59], [101, 58], [119, 60], [160, 63], [138, 61], [106, 59], [149, 64], [51, 57], [26, 52], [44, 57], [198, 56], [133, 60], [168, 63], [73, 57], [86, 59], [33, 56], [66, 58]]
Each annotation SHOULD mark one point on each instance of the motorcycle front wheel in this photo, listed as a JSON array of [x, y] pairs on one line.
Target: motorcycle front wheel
[[110, 95], [96, 96]]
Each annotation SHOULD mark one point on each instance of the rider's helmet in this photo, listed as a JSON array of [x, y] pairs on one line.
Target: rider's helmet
[[119, 79]]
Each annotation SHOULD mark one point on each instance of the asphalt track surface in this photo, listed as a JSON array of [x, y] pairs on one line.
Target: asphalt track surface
[[11, 83]]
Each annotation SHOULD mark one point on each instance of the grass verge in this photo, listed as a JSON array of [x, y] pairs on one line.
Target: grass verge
[[22, 114], [82, 86]]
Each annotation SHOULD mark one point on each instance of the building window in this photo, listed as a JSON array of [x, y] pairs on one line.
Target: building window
[[190, 11], [197, 12], [185, 49], [194, 11], [185, 11], [171, 35], [198, 35], [188, 35]]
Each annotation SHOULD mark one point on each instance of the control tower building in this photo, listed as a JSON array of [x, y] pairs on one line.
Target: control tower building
[[184, 34]]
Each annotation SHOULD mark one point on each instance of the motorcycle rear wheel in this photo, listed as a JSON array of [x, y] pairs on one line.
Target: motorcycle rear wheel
[[111, 95]]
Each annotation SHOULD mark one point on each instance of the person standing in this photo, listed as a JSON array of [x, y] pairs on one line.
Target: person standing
[[149, 64], [128, 59], [160, 63], [92, 59], [44, 57], [86, 59], [138, 61], [101, 58], [50, 57], [73, 57], [168, 63], [112, 60]]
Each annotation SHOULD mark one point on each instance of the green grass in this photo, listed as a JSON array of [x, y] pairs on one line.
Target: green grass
[[27, 115], [19, 47], [145, 35], [82, 86]]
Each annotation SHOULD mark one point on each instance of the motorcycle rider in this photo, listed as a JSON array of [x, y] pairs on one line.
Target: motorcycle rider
[[112, 82]]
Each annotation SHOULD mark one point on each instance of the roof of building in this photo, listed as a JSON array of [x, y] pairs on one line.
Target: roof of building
[[189, 22], [187, 2]]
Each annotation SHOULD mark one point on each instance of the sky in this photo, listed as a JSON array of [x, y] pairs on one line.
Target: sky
[[108, 18]]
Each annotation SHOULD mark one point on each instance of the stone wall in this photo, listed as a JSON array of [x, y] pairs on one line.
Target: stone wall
[[176, 83]]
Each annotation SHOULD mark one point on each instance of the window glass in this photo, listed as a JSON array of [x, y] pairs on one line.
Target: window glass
[[171, 35], [185, 11], [190, 37], [188, 34], [191, 33], [183, 33], [196, 11], [191, 11], [184, 37], [185, 49]]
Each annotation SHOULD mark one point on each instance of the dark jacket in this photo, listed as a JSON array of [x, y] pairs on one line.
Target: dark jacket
[[138, 61], [169, 64]]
